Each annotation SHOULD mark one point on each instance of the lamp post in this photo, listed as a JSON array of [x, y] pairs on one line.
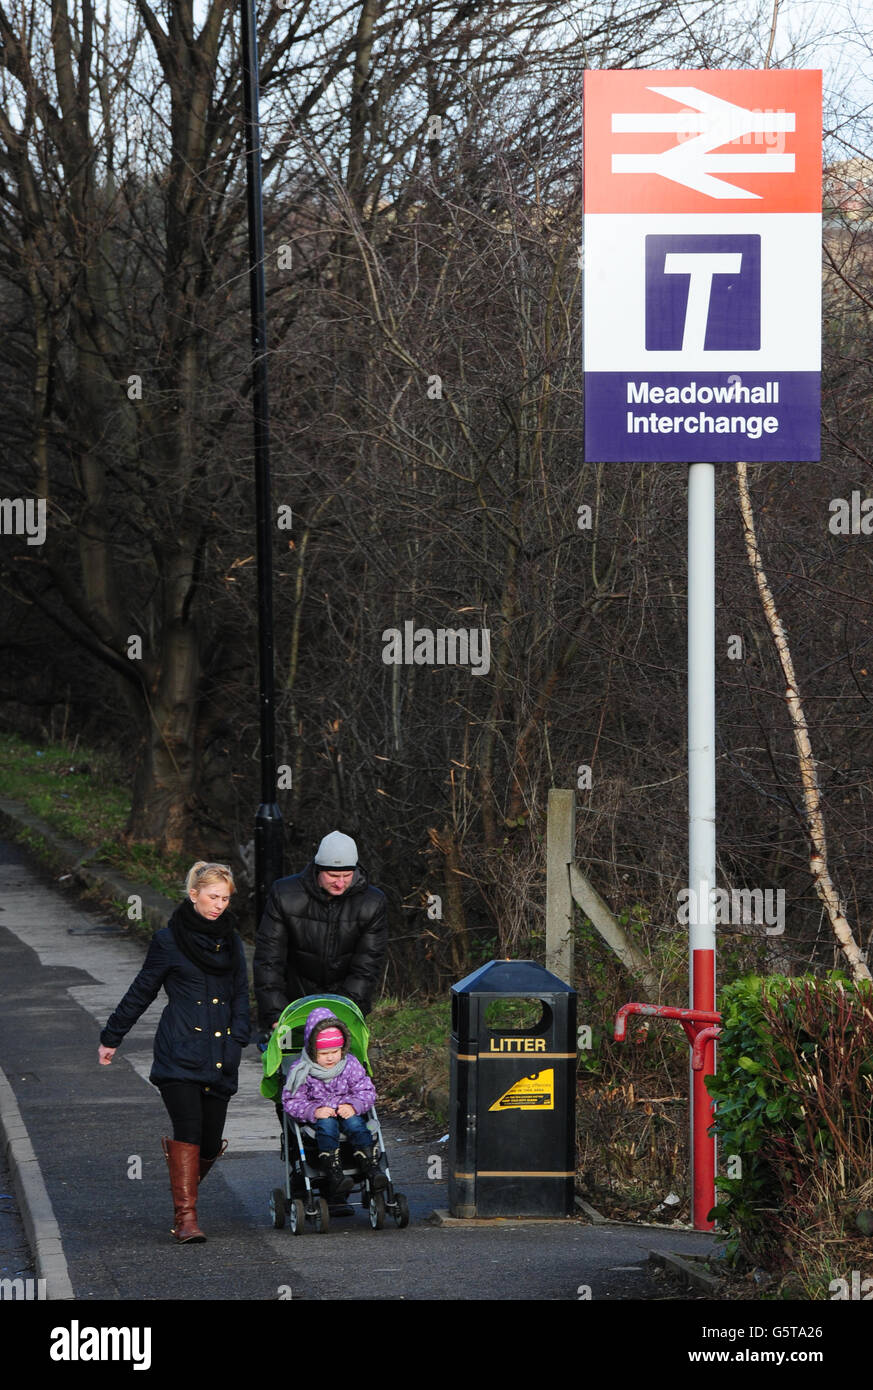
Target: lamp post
[[268, 820]]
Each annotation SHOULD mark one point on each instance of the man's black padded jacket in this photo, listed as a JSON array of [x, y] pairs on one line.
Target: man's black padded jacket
[[311, 942]]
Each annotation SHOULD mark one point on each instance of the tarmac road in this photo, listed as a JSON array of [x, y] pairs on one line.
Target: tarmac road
[[96, 1131]]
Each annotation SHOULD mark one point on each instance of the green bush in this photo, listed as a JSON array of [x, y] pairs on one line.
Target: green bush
[[793, 1094]]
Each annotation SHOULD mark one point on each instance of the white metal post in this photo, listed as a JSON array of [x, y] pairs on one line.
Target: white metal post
[[701, 808]]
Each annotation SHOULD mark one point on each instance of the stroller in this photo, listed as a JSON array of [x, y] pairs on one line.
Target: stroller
[[302, 1198]]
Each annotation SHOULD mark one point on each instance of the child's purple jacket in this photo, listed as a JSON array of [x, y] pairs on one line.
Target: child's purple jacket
[[351, 1087]]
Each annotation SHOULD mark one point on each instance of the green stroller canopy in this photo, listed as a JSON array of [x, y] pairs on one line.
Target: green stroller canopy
[[287, 1037]]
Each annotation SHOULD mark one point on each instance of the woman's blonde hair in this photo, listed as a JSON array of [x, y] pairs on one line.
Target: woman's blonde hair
[[201, 874]]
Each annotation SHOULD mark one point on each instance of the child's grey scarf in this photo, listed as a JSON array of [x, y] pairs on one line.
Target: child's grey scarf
[[304, 1067]]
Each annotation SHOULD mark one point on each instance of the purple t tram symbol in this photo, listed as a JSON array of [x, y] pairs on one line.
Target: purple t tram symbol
[[703, 293]]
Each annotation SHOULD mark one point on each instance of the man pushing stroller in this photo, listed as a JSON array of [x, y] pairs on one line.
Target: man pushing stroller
[[328, 1088]]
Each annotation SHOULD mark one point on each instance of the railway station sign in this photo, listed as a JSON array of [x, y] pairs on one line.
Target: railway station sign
[[702, 266]]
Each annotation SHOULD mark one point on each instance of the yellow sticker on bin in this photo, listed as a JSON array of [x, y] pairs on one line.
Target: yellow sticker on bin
[[534, 1092]]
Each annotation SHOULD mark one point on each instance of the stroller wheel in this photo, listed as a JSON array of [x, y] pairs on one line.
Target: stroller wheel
[[322, 1216], [297, 1217], [401, 1210], [377, 1211], [277, 1207]]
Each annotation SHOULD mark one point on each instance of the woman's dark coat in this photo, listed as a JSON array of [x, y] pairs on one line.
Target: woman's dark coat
[[205, 1025]]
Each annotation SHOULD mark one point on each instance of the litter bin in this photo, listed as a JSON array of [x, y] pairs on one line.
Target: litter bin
[[512, 1094]]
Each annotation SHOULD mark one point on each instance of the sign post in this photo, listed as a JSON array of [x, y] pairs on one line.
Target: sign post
[[702, 245], [701, 815]]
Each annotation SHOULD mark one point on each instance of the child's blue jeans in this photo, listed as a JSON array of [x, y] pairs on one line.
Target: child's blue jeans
[[327, 1133]]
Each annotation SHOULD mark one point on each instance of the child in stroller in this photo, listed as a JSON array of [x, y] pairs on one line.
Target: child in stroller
[[329, 1088], [304, 1197]]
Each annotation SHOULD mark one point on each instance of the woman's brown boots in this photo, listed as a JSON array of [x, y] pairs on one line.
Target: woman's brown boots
[[206, 1163], [183, 1161]]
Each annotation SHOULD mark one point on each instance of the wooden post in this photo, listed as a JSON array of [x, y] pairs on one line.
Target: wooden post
[[560, 850]]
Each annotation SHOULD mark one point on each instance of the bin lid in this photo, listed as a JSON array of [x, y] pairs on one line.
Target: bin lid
[[512, 977]]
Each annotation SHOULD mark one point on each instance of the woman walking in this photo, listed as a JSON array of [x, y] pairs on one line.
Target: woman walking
[[200, 961]]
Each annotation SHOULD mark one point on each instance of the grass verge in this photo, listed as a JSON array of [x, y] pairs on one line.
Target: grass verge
[[81, 794], [412, 1038]]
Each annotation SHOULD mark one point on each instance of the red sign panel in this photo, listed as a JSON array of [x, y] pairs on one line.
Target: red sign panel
[[703, 141]]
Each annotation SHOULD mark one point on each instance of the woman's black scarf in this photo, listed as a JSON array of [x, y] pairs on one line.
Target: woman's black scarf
[[209, 945]]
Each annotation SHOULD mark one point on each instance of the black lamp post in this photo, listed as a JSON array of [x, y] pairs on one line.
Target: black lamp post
[[268, 821]]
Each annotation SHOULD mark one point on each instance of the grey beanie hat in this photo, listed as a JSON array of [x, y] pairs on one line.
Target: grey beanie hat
[[337, 851]]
